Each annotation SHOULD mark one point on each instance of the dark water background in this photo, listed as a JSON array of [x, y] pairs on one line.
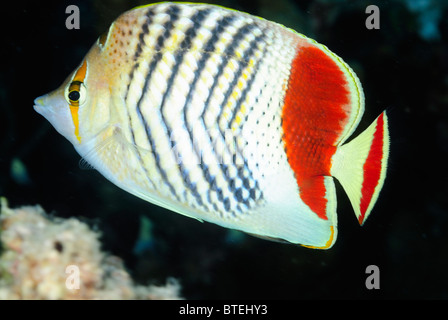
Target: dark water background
[[403, 67]]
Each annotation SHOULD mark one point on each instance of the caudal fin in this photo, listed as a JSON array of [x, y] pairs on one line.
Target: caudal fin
[[361, 165]]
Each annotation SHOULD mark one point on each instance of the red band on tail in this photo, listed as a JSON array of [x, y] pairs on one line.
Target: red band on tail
[[371, 168], [313, 120]]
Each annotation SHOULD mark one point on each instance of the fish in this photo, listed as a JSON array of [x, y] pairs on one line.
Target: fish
[[224, 117]]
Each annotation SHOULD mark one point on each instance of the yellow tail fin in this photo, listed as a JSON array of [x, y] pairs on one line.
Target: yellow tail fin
[[361, 165]]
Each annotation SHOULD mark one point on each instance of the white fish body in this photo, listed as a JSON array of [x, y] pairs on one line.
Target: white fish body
[[223, 117]]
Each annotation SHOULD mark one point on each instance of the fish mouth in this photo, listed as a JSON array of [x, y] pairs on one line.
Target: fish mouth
[[40, 106], [53, 108]]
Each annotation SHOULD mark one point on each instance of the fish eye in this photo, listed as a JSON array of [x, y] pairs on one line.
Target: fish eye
[[74, 96], [76, 93]]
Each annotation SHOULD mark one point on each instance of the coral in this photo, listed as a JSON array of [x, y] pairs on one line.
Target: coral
[[46, 257]]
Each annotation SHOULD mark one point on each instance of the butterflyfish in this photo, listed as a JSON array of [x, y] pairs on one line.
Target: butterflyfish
[[224, 117]]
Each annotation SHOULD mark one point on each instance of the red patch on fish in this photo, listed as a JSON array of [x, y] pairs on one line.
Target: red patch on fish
[[371, 172], [313, 120]]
